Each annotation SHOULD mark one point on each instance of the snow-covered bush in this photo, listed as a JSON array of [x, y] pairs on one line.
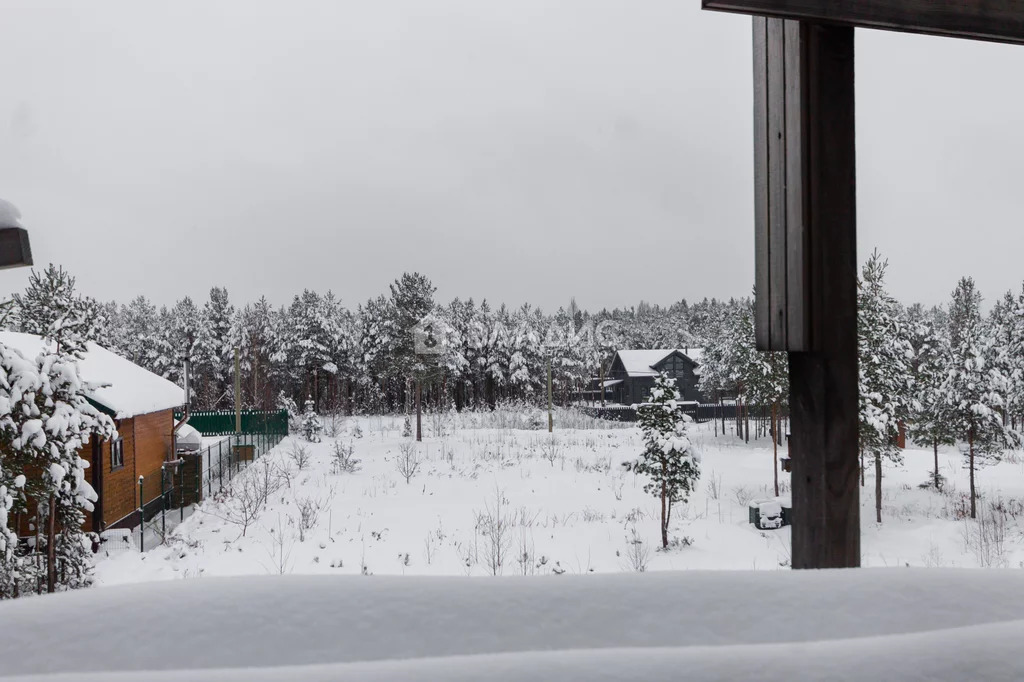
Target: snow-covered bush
[[286, 403], [311, 426]]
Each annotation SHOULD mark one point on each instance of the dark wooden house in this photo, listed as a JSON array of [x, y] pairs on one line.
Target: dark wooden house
[[632, 372]]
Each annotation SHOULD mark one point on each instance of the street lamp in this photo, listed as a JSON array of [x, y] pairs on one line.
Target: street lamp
[[14, 248]]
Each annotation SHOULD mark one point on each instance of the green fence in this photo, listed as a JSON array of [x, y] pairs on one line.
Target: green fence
[[222, 422]]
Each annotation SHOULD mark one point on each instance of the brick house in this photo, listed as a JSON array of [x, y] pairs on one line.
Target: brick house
[[141, 405]]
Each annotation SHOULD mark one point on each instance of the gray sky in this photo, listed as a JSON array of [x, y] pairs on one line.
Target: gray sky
[[526, 150]]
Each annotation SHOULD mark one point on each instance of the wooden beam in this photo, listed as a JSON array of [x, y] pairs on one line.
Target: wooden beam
[[824, 381], [991, 20], [783, 319]]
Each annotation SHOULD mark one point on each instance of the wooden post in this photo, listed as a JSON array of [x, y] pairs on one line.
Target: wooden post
[[806, 216], [551, 417], [419, 401], [238, 392]]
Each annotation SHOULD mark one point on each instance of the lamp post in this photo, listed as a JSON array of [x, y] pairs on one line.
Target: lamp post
[[14, 247]]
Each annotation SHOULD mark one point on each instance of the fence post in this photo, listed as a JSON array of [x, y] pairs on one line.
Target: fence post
[[163, 505], [220, 465], [181, 487], [142, 519]]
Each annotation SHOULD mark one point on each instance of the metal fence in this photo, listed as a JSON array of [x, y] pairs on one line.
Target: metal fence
[[168, 496], [700, 412]]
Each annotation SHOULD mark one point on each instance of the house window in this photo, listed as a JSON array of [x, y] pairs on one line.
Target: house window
[[116, 454], [674, 367]]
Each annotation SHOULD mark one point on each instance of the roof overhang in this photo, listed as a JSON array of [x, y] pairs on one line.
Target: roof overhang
[[992, 20]]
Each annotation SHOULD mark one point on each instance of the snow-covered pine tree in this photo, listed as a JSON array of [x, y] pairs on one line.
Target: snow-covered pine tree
[[68, 422], [57, 422], [311, 425], [213, 356], [1007, 331], [376, 340], [49, 296], [184, 323], [971, 385], [412, 298], [669, 457], [929, 422], [885, 370], [19, 378]]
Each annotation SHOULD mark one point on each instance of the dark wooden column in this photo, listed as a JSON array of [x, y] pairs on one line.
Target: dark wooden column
[[807, 270]]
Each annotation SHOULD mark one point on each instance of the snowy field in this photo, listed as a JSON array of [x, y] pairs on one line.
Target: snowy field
[[488, 498]]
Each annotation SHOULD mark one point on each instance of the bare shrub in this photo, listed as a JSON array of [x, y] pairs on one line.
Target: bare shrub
[[300, 455], [309, 514], [280, 550], [637, 552], [269, 479], [986, 536], [617, 487], [408, 461], [550, 450], [743, 495], [495, 524], [715, 486], [244, 502], [343, 460], [334, 424], [525, 553]]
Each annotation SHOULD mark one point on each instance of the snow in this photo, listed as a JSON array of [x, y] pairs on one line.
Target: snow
[[575, 512], [639, 363], [114, 382], [10, 216], [893, 624], [187, 437]]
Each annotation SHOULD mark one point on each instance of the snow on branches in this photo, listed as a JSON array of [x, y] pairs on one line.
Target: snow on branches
[[669, 457]]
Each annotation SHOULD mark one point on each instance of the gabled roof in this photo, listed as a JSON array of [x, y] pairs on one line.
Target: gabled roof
[[640, 363], [132, 390]]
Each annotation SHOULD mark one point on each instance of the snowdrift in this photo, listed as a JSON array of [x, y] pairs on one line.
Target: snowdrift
[[893, 624]]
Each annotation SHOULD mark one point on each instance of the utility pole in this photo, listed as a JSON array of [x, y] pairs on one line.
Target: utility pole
[[238, 392], [419, 402], [551, 417]]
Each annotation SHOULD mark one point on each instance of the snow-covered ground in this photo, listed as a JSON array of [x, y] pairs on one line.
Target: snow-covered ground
[[487, 485], [487, 494], [886, 624]]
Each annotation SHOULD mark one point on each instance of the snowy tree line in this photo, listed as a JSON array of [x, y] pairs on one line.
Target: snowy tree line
[[362, 359], [951, 375]]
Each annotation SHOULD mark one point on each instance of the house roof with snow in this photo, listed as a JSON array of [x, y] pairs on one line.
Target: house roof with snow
[[641, 363], [116, 385]]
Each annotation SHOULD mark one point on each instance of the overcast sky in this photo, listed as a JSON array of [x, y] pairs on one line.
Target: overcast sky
[[518, 150]]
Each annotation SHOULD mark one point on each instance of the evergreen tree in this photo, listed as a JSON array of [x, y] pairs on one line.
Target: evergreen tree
[[213, 357], [669, 458], [929, 421], [971, 386], [311, 425], [885, 370]]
